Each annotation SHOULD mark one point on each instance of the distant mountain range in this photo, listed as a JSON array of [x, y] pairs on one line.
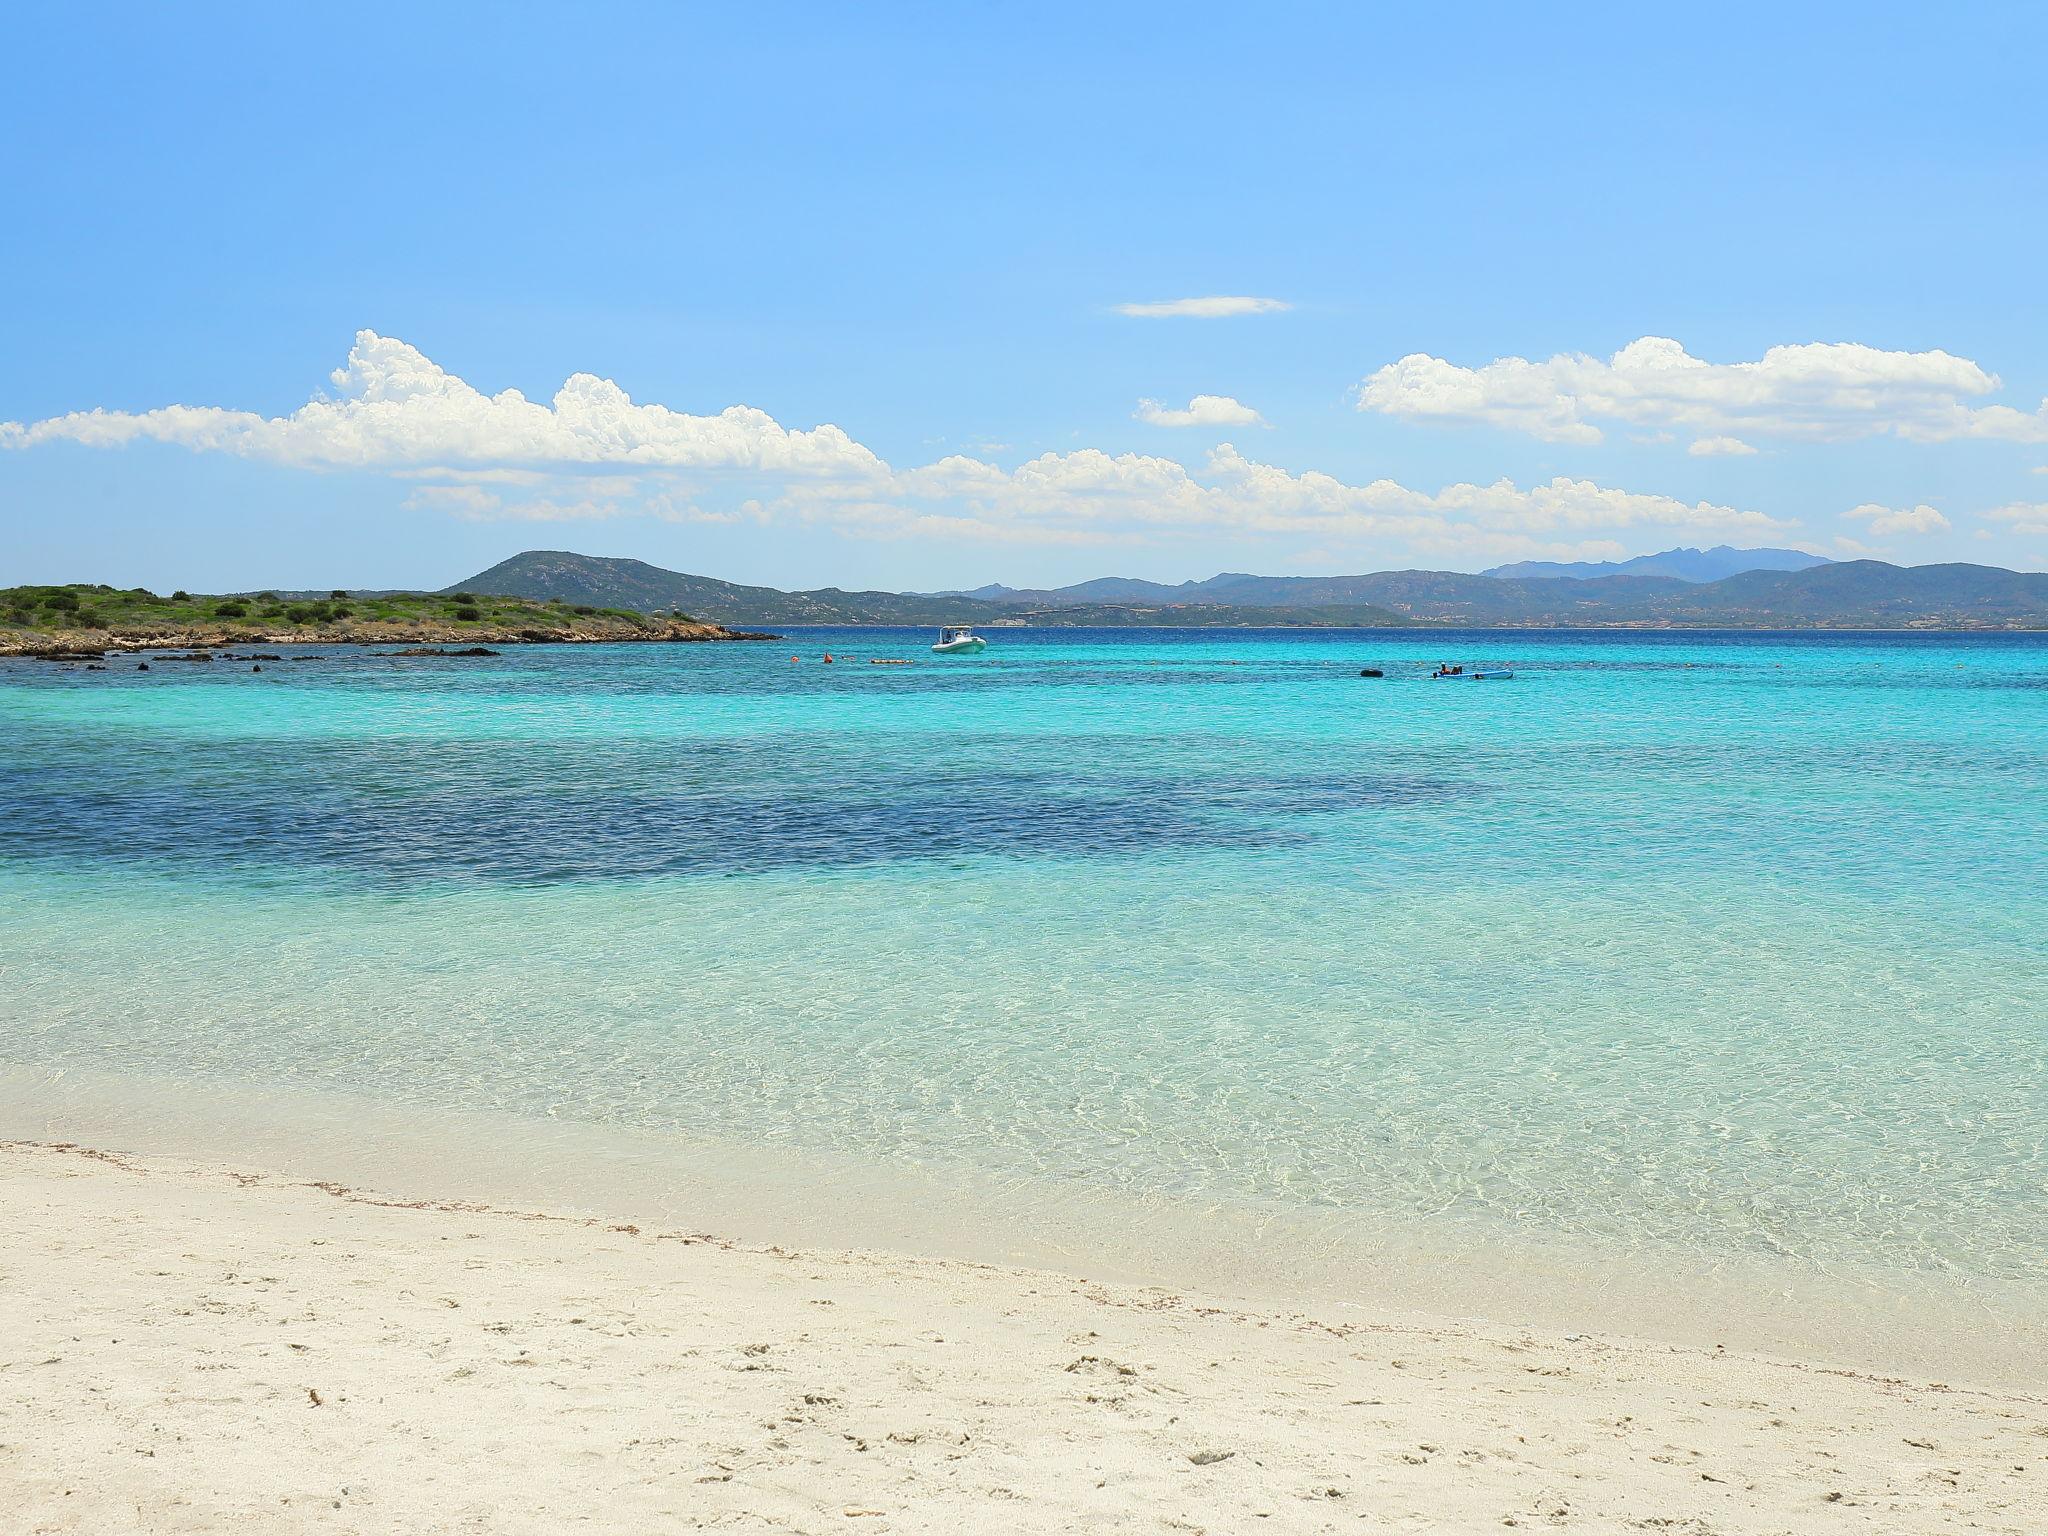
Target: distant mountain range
[[1716, 564], [1849, 594], [615, 583], [1695, 565]]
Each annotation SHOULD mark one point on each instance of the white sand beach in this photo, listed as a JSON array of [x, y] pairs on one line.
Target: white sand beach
[[191, 1348]]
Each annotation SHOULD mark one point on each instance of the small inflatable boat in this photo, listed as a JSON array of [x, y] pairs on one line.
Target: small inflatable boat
[[1460, 676]]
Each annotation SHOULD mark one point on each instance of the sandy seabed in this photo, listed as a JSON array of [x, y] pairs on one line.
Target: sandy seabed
[[189, 1348]]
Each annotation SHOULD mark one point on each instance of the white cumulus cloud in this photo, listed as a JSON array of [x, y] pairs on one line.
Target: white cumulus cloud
[[593, 452], [2028, 517], [1823, 391], [1090, 497], [1213, 307], [1718, 447], [1202, 411], [1889, 520], [394, 407]]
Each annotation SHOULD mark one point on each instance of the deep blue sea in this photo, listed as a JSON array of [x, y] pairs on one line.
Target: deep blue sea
[[1711, 949]]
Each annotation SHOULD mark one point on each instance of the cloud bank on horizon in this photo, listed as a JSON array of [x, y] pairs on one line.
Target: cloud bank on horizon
[[1896, 520], [1816, 392], [2024, 517], [594, 452]]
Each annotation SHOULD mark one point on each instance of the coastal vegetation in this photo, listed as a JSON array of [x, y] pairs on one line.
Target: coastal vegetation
[[80, 616], [556, 595]]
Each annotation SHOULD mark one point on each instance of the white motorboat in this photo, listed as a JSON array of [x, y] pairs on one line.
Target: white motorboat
[[958, 640]]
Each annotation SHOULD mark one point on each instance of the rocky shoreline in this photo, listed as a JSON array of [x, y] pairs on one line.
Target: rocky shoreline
[[84, 644]]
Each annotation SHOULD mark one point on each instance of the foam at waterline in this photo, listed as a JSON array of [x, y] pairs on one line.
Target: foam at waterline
[[1980, 1333]]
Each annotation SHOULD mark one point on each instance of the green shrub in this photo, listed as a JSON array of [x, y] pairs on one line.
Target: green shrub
[[61, 600], [462, 597], [337, 592], [181, 596], [341, 611], [230, 610], [89, 618], [583, 608], [468, 613]]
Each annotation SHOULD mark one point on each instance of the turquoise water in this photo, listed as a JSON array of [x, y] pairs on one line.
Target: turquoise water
[[1726, 947]]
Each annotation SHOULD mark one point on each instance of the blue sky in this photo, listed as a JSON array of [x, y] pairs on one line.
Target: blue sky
[[1776, 272]]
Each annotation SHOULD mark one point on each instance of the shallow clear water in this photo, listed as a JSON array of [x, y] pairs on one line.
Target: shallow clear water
[[1729, 946]]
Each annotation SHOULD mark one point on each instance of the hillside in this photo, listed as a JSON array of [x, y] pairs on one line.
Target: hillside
[[1685, 565], [1882, 595], [1852, 594], [572, 597], [1844, 594], [80, 618], [548, 573], [543, 574]]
